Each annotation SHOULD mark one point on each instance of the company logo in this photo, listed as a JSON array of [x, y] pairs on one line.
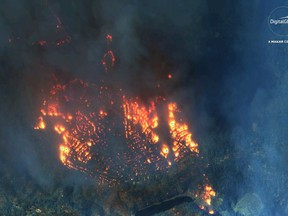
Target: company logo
[[278, 21]]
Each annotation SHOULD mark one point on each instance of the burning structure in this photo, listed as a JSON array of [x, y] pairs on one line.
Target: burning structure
[[181, 112], [117, 139]]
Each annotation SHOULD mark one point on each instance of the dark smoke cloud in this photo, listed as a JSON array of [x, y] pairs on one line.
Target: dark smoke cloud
[[225, 75], [256, 108]]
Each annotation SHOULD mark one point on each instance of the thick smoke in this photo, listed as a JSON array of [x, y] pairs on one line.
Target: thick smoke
[[227, 79], [256, 108]]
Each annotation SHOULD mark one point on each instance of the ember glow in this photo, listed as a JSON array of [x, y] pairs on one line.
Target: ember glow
[[146, 118], [208, 194], [113, 137], [180, 134], [116, 141], [108, 59], [41, 124], [84, 127], [204, 198], [58, 30], [109, 39]]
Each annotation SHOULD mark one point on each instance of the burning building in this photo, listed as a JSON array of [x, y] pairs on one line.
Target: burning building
[[140, 108], [117, 139]]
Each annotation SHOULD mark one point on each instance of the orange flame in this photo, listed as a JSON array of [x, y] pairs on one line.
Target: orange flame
[[147, 118], [180, 134], [59, 129], [206, 197], [208, 194], [165, 151], [87, 128], [86, 124], [41, 124]]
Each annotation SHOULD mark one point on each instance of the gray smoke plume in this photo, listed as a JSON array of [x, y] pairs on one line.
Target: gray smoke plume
[[228, 80]]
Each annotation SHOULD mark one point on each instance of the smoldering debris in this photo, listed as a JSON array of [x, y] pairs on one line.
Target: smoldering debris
[[231, 85]]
